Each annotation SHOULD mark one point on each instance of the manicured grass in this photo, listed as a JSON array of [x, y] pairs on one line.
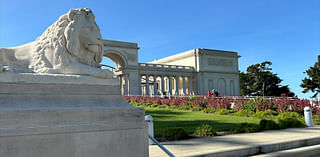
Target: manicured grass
[[164, 118]]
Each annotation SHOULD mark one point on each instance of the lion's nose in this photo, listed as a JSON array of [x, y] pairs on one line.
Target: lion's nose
[[99, 38]]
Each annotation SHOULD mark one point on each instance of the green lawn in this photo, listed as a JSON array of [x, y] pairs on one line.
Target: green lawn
[[164, 118]]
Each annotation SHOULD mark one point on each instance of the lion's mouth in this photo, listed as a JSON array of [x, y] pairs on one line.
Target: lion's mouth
[[94, 47], [94, 44]]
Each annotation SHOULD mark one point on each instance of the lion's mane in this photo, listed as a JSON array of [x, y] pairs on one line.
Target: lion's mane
[[65, 50]]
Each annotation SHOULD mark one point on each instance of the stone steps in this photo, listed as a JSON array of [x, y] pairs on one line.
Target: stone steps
[[271, 150], [307, 151], [247, 144]]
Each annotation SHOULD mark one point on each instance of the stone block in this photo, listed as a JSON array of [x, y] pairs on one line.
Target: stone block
[[68, 116]]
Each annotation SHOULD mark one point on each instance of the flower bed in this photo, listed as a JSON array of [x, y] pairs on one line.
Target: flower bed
[[237, 104], [274, 113]]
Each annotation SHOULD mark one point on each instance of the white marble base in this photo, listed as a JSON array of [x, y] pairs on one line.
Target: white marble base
[[49, 119]]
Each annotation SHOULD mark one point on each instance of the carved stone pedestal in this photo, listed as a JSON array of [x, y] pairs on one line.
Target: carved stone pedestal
[[68, 116]]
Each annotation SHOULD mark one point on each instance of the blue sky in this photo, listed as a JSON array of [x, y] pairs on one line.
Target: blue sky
[[285, 32]]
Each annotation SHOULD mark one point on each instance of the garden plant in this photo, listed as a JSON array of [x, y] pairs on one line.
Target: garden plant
[[178, 117]]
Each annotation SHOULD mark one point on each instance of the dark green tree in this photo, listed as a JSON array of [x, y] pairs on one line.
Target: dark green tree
[[260, 81], [312, 83]]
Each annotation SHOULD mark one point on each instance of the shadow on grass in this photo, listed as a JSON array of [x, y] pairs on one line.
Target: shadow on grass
[[161, 113], [190, 126]]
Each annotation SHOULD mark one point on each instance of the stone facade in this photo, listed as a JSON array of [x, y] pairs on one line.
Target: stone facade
[[195, 71]]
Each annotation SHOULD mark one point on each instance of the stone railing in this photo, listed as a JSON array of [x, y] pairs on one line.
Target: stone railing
[[164, 67]]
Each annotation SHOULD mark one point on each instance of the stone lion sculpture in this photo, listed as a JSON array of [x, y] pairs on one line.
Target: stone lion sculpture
[[72, 45]]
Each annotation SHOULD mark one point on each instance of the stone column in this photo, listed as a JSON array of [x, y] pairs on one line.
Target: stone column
[[190, 85], [121, 84], [155, 87], [162, 83], [177, 84], [126, 86], [147, 85], [170, 85], [139, 85], [184, 84], [133, 81]]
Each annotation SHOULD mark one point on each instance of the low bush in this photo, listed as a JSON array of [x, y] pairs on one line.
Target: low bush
[[163, 107], [224, 111], [197, 109], [290, 123], [290, 120], [134, 103], [246, 128], [316, 119], [244, 113], [153, 105], [268, 114], [268, 125], [184, 108], [173, 107], [284, 115], [174, 133], [204, 130], [209, 110]]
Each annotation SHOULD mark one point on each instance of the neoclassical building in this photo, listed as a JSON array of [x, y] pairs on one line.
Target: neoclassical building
[[196, 71]]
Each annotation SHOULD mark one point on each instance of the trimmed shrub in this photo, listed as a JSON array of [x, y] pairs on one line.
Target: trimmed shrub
[[142, 104], [153, 105], [174, 133], [209, 110], [268, 125], [173, 107], [290, 123], [290, 120], [316, 119], [224, 111], [246, 128], [197, 109], [134, 103], [244, 113], [284, 115], [269, 114], [184, 108], [204, 130], [163, 106]]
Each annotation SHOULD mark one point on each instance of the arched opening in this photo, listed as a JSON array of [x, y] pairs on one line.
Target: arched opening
[[118, 59], [107, 63], [115, 61]]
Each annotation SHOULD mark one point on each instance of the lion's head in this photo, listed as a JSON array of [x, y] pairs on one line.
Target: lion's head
[[74, 37]]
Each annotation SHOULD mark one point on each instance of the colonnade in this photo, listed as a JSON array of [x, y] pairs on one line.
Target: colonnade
[[160, 84], [124, 84]]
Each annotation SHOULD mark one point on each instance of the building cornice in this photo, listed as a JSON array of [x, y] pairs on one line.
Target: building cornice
[[120, 44], [213, 52], [220, 72]]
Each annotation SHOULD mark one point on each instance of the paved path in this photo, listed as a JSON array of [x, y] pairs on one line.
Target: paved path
[[241, 144]]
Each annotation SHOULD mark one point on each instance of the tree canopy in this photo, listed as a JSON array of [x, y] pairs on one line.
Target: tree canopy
[[312, 83], [260, 81]]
